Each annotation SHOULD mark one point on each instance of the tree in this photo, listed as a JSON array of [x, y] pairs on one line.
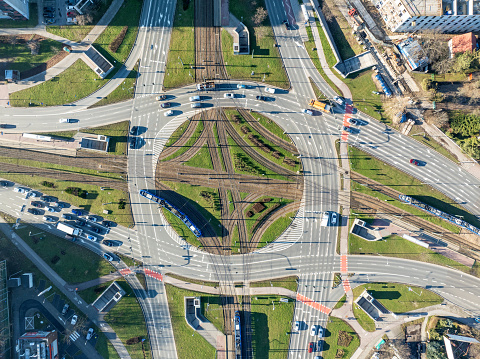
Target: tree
[[466, 62], [471, 147], [84, 19], [434, 46], [260, 16]]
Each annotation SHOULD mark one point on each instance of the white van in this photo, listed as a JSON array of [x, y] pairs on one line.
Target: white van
[[65, 120], [269, 90], [194, 98], [325, 218]]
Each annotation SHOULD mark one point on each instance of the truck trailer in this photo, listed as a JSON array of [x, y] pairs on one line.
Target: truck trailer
[[324, 221], [71, 230], [205, 86], [322, 106]]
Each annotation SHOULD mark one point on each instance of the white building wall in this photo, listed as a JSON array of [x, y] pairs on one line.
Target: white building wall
[[445, 23]]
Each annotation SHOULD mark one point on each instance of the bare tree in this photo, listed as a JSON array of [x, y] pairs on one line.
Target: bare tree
[[260, 16], [34, 46], [84, 19], [435, 48], [438, 118]]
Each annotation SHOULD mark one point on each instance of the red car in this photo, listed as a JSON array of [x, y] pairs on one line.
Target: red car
[[414, 162], [311, 347]]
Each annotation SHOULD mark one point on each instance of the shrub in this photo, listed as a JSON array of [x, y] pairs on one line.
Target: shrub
[[77, 192], [115, 44], [48, 184], [121, 204], [428, 84]]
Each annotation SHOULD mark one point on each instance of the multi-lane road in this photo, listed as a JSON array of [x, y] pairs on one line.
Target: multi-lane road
[[307, 249]]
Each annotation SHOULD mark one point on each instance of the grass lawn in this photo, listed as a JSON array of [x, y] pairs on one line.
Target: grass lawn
[[201, 159], [451, 77], [90, 294], [181, 54], [331, 343], [289, 283], [266, 61], [272, 126], [76, 32], [31, 22], [271, 328], [210, 209], [283, 153], [124, 92], [127, 320], [22, 56], [71, 85], [195, 281], [235, 241], [190, 142], [276, 229], [116, 131], [395, 246], [341, 302], [379, 171], [398, 298], [180, 228], [177, 134], [253, 221], [363, 319], [189, 343], [93, 203], [217, 142], [430, 142], [58, 253]]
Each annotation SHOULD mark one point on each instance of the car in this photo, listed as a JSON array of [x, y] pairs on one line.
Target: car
[[133, 143], [297, 326], [347, 129], [307, 111], [81, 222], [166, 105], [91, 237], [241, 86], [66, 120], [134, 131], [48, 15], [32, 194], [269, 90], [196, 105], [477, 319], [318, 357], [59, 205], [168, 113], [320, 332], [77, 212], [3, 183], [3, 125], [96, 229], [48, 8], [50, 21], [65, 309], [50, 209], [338, 100], [33, 211], [89, 334], [415, 162], [287, 25], [49, 219], [20, 189], [228, 95], [74, 319], [311, 347], [195, 98], [36, 204], [333, 218], [353, 121], [92, 218], [67, 216], [107, 224], [161, 97], [261, 98], [108, 243], [313, 330], [108, 257]]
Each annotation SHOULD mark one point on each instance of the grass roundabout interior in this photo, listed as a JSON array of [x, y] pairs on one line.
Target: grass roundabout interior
[[235, 175]]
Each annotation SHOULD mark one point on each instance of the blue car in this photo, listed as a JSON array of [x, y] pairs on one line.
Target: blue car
[[78, 212]]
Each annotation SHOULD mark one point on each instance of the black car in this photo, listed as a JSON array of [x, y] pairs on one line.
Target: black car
[[36, 204], [107, 223], [108, 243], [133, 142], [96, 229], [134, 131], [261, 98], [3, 125], [81, 223], [3, 183], [166, 104], [48, 8], [34, 211], [287, 25], [49, 15]]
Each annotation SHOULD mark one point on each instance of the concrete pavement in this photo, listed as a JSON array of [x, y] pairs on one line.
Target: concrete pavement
[[90, 312]]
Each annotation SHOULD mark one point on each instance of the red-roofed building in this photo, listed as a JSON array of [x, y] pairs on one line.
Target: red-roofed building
[[462, 43]]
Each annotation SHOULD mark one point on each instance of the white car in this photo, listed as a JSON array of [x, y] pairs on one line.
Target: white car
[[228, 95], [20, 190], [333, 218], [308, 112], [196, 105], [65, 120], [168, 113], [49, 219], [313, 330], [91, 238], [74, 320], [269, 90], [338, 100], [320, 332], [297, 326], [90, 334], [194, 98]]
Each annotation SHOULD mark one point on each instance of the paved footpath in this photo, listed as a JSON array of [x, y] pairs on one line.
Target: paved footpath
[[88, 310]]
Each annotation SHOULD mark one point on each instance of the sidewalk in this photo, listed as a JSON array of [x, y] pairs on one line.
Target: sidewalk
[[90, 312], [77, 49]]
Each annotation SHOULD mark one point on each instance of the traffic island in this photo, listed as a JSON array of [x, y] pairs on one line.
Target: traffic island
[[236, 177]]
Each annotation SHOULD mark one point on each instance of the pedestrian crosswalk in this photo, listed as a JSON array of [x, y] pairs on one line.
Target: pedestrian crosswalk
[[74, 336]]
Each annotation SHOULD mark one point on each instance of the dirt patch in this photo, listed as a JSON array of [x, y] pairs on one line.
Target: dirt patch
[[344, 339]]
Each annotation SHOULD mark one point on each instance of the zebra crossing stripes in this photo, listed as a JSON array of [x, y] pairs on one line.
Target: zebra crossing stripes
[[126, 271], [311, 303], [74, 336], [153, 274]]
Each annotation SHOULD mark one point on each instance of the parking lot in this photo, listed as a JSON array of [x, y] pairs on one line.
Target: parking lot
[[59, 12]]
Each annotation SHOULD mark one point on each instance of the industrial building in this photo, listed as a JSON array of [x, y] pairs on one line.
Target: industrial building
[[41, 345]]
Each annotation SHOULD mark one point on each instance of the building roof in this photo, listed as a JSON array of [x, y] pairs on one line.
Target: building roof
[[413, 333], [94, 142], [97, 62], [423, 7], [413, 53], [462, 43], [109, 297]]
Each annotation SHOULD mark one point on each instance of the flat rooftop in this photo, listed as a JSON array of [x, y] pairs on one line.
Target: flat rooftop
[[423, 7]]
